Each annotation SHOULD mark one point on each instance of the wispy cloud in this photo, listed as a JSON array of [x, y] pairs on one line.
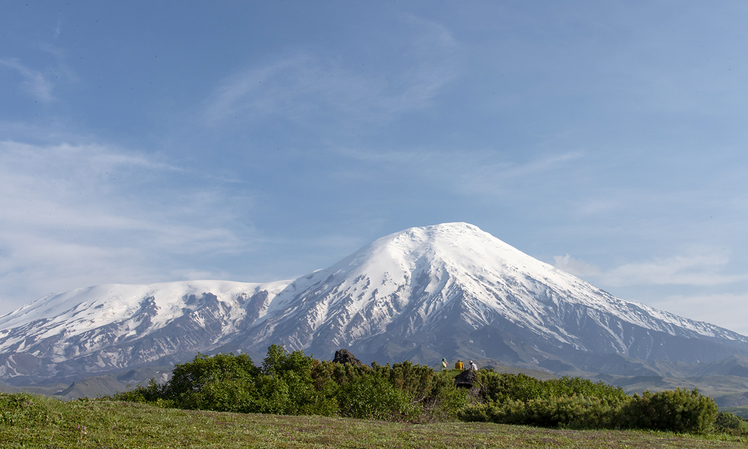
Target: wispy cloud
[[76, 215], [40, 84], [727, 310], [690, 269], [308, 85], [487, 172], [698, 270], [702, 267], [57, 30], [490, 175], [34, 82], [575, 266]]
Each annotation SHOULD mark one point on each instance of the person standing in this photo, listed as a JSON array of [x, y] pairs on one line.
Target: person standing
[[444, 363]]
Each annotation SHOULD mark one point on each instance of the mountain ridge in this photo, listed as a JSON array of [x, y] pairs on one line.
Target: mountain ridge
[[445, 290]]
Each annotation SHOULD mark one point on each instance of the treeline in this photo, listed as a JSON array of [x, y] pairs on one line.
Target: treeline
[[293, 383]]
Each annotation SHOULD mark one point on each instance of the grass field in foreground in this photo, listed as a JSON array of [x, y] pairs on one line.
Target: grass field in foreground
[[97, 424]]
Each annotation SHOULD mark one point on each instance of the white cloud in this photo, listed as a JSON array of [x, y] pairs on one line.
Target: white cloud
[[470, 172], [574, 266], [308, 86], [698, 267], [41, 84], [702, 268], [34, 82], [483, 174], [76, 215], [725, 310]]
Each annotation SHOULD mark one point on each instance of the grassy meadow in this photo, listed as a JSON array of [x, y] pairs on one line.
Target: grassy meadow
[[40, 422]]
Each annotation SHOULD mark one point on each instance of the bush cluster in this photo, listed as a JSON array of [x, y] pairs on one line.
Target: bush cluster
[[679, 410], [520, 387], [583, 404], [291, 383]]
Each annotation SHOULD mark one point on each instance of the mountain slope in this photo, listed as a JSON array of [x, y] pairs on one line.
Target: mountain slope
[[449, 290], [110, 327], [445, 285]]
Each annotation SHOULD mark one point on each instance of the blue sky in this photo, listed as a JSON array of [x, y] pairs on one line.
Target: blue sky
[[255, 141]]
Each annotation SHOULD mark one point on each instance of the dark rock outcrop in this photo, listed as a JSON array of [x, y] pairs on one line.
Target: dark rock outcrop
[[345, 356], [466, 379]]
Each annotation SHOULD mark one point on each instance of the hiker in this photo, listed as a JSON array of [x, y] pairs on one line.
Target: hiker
[[444, 363], [459, 365], [473, 366]]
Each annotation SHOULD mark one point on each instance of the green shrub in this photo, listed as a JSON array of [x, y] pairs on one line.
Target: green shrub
[[325, 372], [286, 385], [445, 401], [501, 387], [228, 382], [153, 394], [288, 393], [373, 397], [581, 403], [727, 420], [678, 410], [231, 395], [577, 412], [190, 379], [433, 395], [416, 380], [520, 387], [570, 386]]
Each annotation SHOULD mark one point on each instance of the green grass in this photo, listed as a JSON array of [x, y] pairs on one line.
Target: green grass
[[28, 421]]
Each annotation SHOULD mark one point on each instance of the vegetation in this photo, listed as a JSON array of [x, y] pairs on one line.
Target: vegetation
[[581, 404], [30, 421], [227, 401], [732, 424], [291, 383], [678, 410], [740, 411]]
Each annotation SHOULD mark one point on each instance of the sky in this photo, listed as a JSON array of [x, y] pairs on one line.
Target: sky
[[146, 142]]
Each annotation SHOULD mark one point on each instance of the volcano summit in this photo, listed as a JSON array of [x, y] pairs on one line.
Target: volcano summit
[[448, 290]]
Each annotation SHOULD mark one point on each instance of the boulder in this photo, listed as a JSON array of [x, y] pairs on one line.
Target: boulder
[[466, 379], [345, 356]]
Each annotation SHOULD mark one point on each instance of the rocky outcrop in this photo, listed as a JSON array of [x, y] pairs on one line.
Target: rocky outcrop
[[345, 356], [466, 379]]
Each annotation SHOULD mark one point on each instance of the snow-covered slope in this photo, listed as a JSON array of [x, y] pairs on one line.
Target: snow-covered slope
[[423, 293], [84, 309], [116, 326], [449, 276]]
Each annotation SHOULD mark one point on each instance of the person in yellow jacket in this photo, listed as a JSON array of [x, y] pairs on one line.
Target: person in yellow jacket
[[459, 365]]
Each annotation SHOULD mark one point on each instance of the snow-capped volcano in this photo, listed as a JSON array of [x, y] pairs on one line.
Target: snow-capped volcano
[[446, 290], [451, 280]]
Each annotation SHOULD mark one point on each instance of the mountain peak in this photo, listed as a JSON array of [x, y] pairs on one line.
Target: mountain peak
[[420, 294], [457, 244]]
